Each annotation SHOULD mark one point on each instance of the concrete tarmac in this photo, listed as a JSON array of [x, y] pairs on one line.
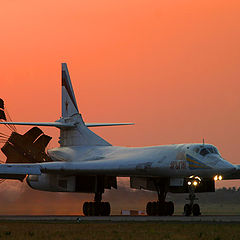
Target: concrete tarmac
[[71, 218]]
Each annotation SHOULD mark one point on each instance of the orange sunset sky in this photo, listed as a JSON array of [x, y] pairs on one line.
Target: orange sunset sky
[[170, 66]]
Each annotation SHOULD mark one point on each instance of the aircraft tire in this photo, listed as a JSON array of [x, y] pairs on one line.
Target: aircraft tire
[[196, 210], [92, 209], [187, 210], [103, 209], [154, 208], [86, 208], [149, 209], [170, 208], [161, 209], [97, 208], [107, 208]]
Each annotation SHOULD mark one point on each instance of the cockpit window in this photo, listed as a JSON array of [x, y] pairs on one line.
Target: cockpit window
[[215, 151], [208, 150], [196, 150], [204, 152]]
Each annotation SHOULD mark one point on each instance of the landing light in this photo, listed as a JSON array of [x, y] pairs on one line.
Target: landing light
[[195, 183], [194, 180], [218, 177], [198, 178]]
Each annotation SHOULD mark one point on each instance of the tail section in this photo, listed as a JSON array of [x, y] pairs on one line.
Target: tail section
[[79, 134], [73, 130], [69, 103]]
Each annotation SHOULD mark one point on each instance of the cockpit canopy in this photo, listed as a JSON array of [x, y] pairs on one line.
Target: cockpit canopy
[[206, 150]]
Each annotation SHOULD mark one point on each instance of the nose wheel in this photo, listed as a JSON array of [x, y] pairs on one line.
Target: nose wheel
[[194, 209]]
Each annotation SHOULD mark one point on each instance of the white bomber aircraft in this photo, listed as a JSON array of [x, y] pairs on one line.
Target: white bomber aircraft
[[85, 162]]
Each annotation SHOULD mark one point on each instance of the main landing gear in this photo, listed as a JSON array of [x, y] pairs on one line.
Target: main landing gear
[[97, 208], [191, 207], [161, 207]]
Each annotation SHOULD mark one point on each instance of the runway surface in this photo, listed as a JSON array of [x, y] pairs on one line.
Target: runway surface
[[219, 218]]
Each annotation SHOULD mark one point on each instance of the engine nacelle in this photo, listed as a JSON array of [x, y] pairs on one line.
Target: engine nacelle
[[52, 183], [60, 183]]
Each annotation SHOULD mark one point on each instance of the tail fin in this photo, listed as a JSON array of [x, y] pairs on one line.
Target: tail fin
[[69, 103], [79, 134]]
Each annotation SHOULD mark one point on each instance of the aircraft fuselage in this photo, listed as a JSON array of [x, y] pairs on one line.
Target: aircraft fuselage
[[179, 160]]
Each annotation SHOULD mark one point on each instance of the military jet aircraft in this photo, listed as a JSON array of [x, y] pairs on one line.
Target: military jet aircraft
[[86, 163]]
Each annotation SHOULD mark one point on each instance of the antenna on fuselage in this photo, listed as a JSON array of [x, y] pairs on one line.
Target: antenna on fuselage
[[203, 141]]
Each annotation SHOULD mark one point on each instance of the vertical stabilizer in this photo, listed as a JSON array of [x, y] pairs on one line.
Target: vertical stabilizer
[[69, 104], [79, 135]]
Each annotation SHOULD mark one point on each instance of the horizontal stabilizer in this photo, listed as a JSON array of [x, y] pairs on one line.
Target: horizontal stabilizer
[[64, 125], [45, 124], [106, 124]]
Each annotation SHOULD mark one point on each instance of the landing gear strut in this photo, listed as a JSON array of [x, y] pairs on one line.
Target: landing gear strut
[[161, 207], [97, 208], [191, 207]]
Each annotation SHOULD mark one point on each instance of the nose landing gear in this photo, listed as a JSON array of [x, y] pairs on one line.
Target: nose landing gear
[[191, 207]]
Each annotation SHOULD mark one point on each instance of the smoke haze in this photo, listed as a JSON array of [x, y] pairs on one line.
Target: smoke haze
[[19, 199]]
